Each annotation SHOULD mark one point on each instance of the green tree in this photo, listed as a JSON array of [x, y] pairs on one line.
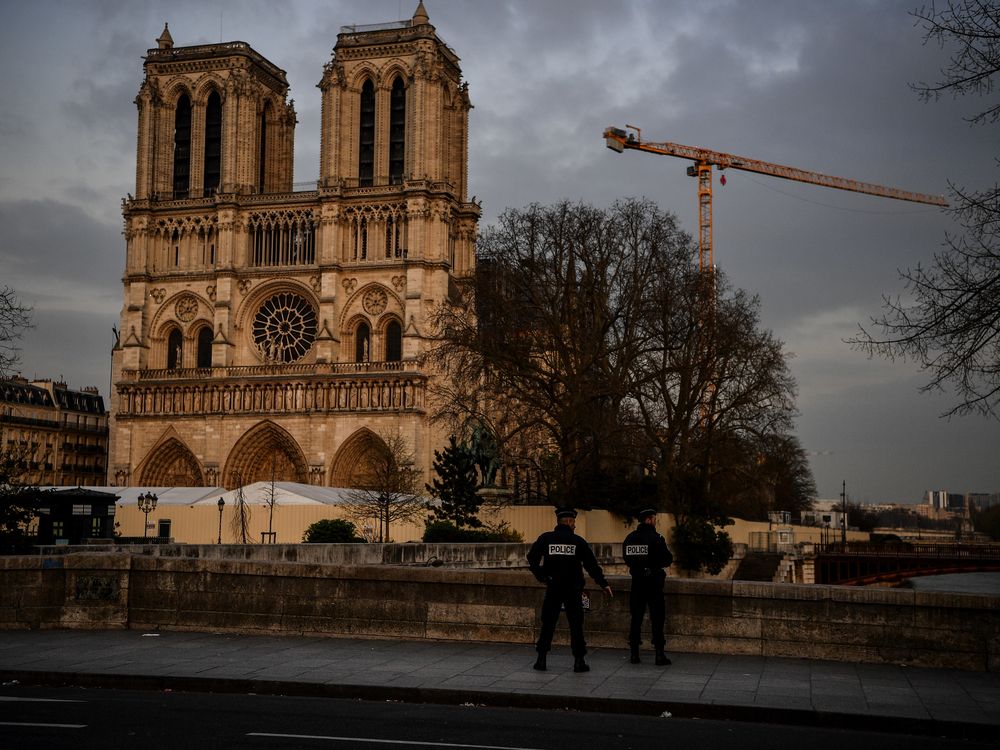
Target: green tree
[[332, 531], [698, 544], [988, 522], [455, 487], [17, 505], [862, 518], [769, 473]]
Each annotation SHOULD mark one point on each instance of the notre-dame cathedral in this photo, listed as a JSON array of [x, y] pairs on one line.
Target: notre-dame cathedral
[[271, 333]]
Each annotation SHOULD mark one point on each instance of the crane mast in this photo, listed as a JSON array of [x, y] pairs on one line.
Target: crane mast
[[705, 160]]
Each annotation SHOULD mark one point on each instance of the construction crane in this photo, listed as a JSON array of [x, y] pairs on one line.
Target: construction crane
[[704, 160]]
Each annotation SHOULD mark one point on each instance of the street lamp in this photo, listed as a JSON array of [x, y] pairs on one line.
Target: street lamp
[[222, 504], [147, 504]]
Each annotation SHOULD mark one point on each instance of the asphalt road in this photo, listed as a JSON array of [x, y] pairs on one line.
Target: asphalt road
[[82, 719]]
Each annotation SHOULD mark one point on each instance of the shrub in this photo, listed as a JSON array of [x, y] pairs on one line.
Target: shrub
[[698, 544], [332, 531], [445, 532]]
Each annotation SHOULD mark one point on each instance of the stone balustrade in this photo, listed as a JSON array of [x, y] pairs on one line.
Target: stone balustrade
[[421, 602], [390, 391]]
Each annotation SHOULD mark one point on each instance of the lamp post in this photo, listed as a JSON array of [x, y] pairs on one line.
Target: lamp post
[[843, 519], [147, 504], [222, 504]]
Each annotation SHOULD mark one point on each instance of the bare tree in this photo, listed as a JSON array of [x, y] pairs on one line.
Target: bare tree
[[391, 490], [950, 323], [14, 319], [17, 463], [538, 346], [271, 499], [971, 30], [241, 516], [709, 379], [594, 349]]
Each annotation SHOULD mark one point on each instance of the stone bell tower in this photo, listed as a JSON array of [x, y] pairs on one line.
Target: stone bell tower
[[212, 119], [273, 333]]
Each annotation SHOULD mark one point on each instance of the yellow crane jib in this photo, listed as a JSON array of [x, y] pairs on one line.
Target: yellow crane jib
[[618, 139]]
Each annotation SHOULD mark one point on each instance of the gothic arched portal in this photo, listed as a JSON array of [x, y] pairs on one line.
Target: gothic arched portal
[[354, 463], [171, 464], [266, 452]]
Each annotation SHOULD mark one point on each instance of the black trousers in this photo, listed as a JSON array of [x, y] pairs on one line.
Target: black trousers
[[557, 597], [647, 592]]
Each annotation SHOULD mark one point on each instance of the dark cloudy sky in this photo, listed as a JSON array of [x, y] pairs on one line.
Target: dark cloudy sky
[[808, 83]]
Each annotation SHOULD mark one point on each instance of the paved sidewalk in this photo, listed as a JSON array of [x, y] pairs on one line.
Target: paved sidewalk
[[798, 691]]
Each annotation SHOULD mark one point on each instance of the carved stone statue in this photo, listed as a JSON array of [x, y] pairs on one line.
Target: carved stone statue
[[485, 453]]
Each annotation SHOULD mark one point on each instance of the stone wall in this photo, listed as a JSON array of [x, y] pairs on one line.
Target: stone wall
[[478, 556], [417, 602]]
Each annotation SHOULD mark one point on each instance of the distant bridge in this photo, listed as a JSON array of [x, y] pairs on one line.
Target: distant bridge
[[862, 564]]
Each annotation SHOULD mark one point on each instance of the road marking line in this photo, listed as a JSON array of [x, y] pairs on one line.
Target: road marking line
[[38, 724], [38, 700], [386, 742]]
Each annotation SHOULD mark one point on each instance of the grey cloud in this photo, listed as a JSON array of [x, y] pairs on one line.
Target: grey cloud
[[46, 240], [74, 347], [821, 86]]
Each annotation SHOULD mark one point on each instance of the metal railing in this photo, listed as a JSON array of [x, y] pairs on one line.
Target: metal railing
[[912, 549], [361, 28]]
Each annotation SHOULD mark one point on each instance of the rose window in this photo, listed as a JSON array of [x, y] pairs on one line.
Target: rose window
[[284, 328]]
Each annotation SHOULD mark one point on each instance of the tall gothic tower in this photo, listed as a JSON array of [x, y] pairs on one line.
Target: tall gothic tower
[[272, 333]]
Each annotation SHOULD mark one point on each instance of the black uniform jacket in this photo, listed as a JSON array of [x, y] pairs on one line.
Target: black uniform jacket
[[645, 551], [558, 557]]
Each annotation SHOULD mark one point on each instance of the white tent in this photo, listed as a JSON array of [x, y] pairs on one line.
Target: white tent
[[285, 493]]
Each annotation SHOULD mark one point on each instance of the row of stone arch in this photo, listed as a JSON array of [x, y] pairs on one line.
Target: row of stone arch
[[266, 452], [180, 353]]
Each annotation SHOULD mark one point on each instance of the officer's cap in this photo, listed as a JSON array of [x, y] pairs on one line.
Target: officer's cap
[[565, 513], [646, 513]]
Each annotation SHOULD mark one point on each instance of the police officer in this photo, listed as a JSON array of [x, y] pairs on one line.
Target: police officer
[[557, 559], [646, 554]]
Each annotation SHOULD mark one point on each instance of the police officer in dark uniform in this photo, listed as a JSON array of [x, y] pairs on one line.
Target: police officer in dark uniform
[[646, 554], [557, 559]]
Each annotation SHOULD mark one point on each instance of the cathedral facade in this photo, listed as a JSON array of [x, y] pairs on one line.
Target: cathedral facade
[[274, 333]]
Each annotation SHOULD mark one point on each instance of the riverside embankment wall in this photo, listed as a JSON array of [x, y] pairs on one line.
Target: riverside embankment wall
[[417, 602]]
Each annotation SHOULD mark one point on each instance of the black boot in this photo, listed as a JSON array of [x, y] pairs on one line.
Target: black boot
[[661, 658], [539, 663], [634, 656], [579, 665]]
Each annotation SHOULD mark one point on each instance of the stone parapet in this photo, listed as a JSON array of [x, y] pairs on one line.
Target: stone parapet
[[418, 602]]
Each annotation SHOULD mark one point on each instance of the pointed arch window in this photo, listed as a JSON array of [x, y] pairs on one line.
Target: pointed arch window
[[366, 147], [362, 343], [213, 143], [393, 342], [397, 131], [205, 347], [361, 238], [182, 147], [175, 351], [262, 155]]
